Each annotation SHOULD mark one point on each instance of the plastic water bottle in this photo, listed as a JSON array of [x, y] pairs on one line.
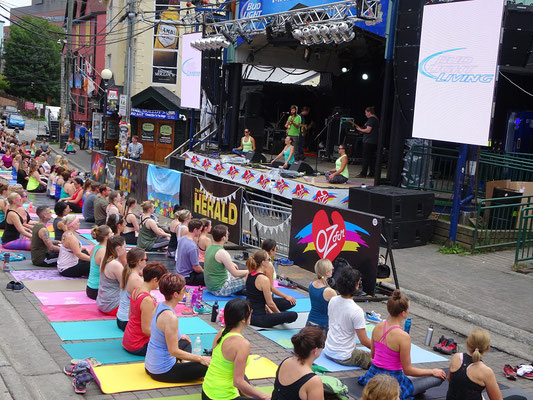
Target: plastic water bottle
[[188, 298], [200, 297], [220, 317], [407, 326], [197, 347], [214, 312], [194, 297], [6, 262]]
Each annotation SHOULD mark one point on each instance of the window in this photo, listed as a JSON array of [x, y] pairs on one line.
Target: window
[[81, 104]]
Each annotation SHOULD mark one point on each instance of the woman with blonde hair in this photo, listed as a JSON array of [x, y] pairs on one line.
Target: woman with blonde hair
[[73, 260], [381, 387], [35, 183], [16, 236], [131, 280], [178, 229], [320, 294]]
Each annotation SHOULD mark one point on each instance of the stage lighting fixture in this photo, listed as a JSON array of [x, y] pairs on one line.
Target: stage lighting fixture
[[364, 77], [324, 32], [228, 37], [344, 70], [335, 33], [315, 35], [243, 35], [346, 31], [298, 34], [308, 39]]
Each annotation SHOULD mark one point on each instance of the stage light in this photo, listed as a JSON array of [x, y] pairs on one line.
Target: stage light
[[324, 32], [298, 34], [243, 35], [346, 32], [344, 70], [228, 37], [335, 33], [306, 32], [315, 35], [364, 77]]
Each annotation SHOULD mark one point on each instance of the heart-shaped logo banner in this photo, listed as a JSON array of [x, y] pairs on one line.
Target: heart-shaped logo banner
[[328, 236]]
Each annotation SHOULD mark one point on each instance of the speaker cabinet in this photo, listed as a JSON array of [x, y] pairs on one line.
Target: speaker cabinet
[[406, 234], [253, 106], [255, 157], [176, 163], [301, 166]]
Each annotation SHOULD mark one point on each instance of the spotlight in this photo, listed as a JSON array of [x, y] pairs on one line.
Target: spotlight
[[346, 32], [364, 77], [324, 32], [228, 37], [308, 40], [243, 35], [344, 70], [335, 33], [315, 35], [298, 34]]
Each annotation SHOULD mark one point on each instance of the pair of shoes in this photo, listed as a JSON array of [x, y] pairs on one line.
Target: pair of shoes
[[80, 382], [286, 282], [285, 261], [10, 285], [509, 372], [373, 316], [15, 286], [525, 371], [446, 346]]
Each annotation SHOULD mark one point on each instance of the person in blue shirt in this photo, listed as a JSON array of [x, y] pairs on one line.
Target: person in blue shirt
[[83, 133]]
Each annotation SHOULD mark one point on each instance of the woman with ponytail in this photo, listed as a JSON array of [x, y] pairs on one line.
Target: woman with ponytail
[[295, 378], [391, 353], [110, 276], [131, 229], [320, 294], [225, 378], [100, 234], [259, 294], [116, 223], [73, 260], [284, 302], [131, 280]]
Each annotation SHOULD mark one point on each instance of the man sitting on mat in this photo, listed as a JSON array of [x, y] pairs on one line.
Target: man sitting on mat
[[43, 251], [222, 276], [187, 255]]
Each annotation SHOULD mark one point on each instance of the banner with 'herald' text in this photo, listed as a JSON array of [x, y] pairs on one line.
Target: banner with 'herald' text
[[217, 201]]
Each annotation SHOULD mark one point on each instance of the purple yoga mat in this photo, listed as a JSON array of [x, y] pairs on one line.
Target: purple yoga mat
[[63, 298], [39, 275]]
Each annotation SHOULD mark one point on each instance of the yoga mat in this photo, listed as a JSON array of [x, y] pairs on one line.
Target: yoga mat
[[332, 366], [112, 352], [75, 312], [63, 298], [131, 377], [298, 324], [210, 297], [26, 265], [74, 285], [84, 232], [88, 238], [198, 396], [50, 274], [292, 292], [302, 305], [95, 330]]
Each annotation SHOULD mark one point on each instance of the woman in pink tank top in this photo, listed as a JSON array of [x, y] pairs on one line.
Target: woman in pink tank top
[[391, 353]]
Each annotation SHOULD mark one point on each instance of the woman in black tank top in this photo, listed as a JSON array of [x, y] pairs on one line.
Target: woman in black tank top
[[294, 377], [16, 236], [132, 226]]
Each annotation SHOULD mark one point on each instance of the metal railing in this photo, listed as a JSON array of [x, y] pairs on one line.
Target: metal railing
[[524, 249]]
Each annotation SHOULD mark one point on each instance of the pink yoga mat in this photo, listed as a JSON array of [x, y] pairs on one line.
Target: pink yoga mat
[[77, 312], [84, 231], [63, 298], [39, 275]]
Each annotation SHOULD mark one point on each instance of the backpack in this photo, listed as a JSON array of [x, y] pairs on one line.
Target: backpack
[[334, 388]]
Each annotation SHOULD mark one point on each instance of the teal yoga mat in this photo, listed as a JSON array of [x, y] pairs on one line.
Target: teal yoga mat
[[95, 330], [112, 352], [292, 292]]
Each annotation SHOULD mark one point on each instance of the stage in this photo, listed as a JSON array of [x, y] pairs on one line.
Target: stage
[[269, 180]]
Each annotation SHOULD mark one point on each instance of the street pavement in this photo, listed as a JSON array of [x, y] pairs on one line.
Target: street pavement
[[452, 293]]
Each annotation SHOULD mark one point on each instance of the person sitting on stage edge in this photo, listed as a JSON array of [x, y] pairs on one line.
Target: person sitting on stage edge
[[346, 321], [101, 234], [225, 377], [111, 270], [391, 353], [167, 347], [381, 387], [340, 173], [287, 153], [16, 236], [73, 260], [320, 294], [100, 205], [88, 204], [44, 252], [187, 261], [151, 236], [259, 294], [247, 144], [284, 302], [222, 276], [131, 229], [142, 306], [294, 378], [131, 280], [76, 200], [61, 209]]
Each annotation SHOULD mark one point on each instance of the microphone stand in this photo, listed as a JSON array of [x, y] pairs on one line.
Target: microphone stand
[[328, 121]]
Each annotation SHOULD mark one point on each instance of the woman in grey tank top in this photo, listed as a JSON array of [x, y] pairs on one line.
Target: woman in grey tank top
[[110, 274]]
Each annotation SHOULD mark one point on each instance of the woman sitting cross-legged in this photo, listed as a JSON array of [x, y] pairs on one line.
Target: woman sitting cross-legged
[[108, 298], [36, 184], [150, 235], [131, 280], [260, 296], [73, 260], [294, 378], [16, 236], [391, 353], [320, 294], [142, 307], [76, 200], [225, 376], [100, 234], [61, 209], [284, 302], [167, 346], [131, 229]]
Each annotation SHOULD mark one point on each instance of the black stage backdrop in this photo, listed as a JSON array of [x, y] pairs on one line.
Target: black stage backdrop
[[218, 201], [319, 231], [131, 178]]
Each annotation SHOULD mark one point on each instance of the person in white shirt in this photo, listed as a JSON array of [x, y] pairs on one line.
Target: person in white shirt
[[347, 323], [135, 149]]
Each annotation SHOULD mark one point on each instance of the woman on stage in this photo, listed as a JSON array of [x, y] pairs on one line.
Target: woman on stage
[[340, 174], [247, 144], [288, 153]]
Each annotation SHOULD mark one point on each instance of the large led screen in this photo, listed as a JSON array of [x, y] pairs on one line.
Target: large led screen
[[191, 72], [457, 69]]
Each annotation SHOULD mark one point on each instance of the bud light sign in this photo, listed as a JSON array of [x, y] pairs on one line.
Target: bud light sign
[[250, 9]]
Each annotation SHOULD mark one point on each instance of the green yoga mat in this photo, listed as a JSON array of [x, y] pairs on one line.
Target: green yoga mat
[[97, 330], [198, 396], [112, 352]]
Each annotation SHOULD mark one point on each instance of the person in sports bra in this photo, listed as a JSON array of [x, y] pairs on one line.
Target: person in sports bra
[[204, 241], [247, 144], [320, 293], [4, 192], [469, 376], [75, 201], [16, 236], [100, 234], [131, 229], [391, 353], [73, 261], [294, 377]]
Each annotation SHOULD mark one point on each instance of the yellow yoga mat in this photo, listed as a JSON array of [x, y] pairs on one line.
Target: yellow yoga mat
[[131, 377]]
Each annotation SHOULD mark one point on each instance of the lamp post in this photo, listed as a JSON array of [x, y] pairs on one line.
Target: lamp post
[[106, 75]]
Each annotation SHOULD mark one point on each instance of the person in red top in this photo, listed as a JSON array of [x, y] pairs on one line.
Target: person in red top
[[142, 306], [76, 201]]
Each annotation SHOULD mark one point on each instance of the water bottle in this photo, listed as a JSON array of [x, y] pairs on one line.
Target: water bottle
[[429, 336], [200, 298], [6, 262], [220, 317], [214, 312], [188, 298], [197, 347], [194, 297], [407, 326]]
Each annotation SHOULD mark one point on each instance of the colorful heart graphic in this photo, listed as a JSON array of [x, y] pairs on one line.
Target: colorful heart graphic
[[328, 237]]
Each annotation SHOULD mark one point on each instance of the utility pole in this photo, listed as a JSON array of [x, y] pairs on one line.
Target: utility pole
[[128, 63], [66, 102]]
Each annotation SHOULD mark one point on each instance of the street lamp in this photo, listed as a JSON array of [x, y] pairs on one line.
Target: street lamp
[[106, 75]]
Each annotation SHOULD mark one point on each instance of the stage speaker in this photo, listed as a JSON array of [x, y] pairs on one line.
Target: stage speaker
[[405, 234], [301, 166], [255, 157], [253, 106], [176, 163], [256, 125], [517, 42], [393, 203]]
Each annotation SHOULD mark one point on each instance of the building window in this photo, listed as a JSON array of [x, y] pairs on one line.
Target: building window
[[81, 104]]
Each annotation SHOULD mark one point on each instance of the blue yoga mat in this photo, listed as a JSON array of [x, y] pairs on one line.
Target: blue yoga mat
[[94, 330], [111, 351], [208, 296], [88, 238], [292, 292], [302, 305]]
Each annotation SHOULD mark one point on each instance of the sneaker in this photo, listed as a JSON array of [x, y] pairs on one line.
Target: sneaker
[[18, 286], [285, 282], [528, 375], [442, 342], [450, 347], [285, 261], [510, 372], [80, 382], [373, 317], [78, 368], [10, 285]]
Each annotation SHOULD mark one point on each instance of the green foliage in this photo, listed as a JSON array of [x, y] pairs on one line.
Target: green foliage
[[4, 84], [454, 249], [32, 63]]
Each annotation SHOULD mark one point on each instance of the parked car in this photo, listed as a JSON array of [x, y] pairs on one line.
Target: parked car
[[6, 110], [16, 121]]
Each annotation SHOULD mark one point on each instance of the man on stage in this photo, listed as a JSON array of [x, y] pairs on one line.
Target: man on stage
[[293, 128]]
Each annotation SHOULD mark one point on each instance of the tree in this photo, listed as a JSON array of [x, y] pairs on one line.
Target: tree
[[32, 55]]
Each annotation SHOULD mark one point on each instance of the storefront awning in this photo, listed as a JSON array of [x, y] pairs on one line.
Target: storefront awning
[[156, 98]]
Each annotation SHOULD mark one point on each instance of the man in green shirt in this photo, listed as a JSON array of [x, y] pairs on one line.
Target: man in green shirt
[[221, 275], [293, 128], [43, 251]]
